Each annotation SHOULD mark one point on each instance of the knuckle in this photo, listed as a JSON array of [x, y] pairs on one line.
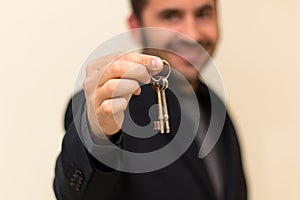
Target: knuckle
[[110, 86], [116, 67], [87, 84], [107, 107], [144, 60]]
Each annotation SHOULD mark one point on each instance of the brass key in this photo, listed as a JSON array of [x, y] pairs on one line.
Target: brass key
[[160, 84], [159, 125], [164, 103]]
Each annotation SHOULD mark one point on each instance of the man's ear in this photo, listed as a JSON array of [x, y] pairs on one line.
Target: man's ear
[[133, 22], [133, 25]]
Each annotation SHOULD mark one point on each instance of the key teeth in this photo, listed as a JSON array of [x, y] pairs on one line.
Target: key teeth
[[157, 127], [162, 130], [167, 127]]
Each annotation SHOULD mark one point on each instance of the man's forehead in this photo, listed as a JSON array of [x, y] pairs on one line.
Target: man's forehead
[[178, 4], [175, 2]]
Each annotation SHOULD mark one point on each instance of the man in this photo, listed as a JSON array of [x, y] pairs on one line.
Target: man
[[113, 82]]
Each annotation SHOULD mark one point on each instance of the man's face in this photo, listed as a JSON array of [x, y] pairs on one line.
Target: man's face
[[196, 19]]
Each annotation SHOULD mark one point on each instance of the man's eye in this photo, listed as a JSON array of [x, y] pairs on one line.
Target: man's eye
[[207, 13], [203, 14], [171, 16]]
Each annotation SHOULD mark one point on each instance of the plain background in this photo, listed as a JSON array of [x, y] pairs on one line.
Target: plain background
[[44, 43]]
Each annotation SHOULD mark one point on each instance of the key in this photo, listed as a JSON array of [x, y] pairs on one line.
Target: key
[[164, 103], [158, 85]]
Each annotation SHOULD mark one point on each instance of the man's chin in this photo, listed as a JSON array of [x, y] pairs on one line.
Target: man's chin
[[191, 76]]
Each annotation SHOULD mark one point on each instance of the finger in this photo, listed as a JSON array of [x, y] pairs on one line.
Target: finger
[[152, 63], [111, 115], [90, 84], [114, 88], [110, 107], [112, 125], [125, 70]]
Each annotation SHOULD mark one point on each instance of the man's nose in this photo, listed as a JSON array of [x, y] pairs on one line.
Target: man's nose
[[191, 29]]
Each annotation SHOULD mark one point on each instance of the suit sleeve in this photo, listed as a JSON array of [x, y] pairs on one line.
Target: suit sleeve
[[77, 173]]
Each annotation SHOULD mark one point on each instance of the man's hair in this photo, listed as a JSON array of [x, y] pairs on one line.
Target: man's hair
[[138, 6]]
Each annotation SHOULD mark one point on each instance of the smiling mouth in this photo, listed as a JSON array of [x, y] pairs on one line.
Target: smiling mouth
[[194, 56], [190, 51]]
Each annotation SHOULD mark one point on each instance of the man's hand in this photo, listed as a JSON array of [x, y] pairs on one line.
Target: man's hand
[[110, 83]]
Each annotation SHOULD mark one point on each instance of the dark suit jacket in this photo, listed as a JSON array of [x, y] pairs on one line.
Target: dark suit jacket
[[78, 175]]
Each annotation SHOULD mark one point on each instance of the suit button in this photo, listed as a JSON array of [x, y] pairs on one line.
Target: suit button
[[76, 180]]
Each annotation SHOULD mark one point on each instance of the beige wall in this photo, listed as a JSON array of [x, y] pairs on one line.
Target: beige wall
[[43, 44], [260, 65]]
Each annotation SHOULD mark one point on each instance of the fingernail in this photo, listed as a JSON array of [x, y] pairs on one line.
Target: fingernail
[[156, 63]]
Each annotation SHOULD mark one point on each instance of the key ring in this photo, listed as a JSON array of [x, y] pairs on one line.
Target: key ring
[[168, 75]]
